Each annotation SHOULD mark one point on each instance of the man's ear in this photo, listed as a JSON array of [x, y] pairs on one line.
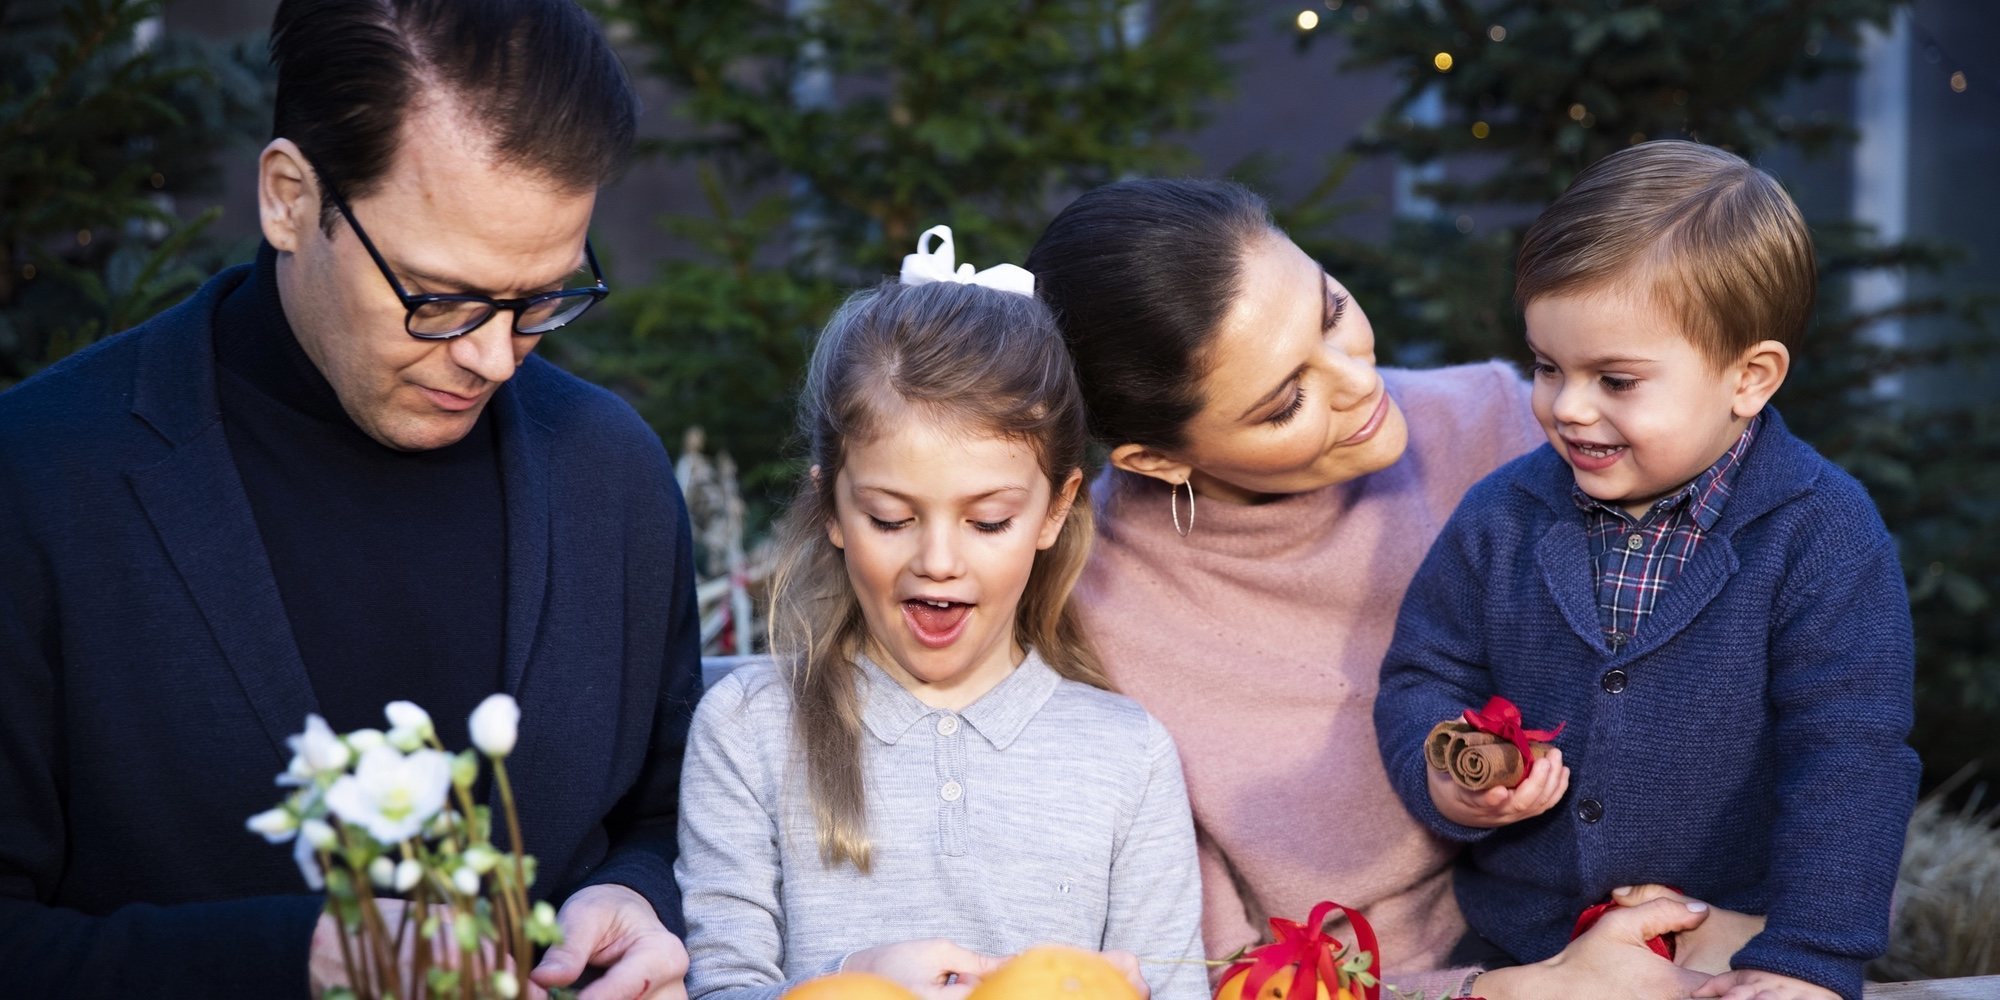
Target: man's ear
[[287, 195], [1059, 506], [1146, 461], [1759, 373]]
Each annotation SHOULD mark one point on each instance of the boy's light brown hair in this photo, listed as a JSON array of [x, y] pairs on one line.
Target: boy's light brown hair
[[1720, 243]]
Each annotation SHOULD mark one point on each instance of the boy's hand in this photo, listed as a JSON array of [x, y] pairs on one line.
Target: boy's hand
[[1494, 807], [1756, 984], [1707, 948]]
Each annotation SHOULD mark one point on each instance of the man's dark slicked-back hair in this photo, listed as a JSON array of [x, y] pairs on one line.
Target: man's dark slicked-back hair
[[536, 77]]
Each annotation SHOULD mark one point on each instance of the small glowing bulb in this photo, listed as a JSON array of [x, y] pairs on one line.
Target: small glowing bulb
[[1442, 61], [1308, 20], [1958, 82], [1481, 130], [1577, 111], [1497, 33]]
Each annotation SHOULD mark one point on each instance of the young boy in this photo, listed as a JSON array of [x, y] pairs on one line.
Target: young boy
[[1715, 611]]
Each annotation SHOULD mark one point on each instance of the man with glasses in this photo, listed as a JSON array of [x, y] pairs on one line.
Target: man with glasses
[[334, 478]]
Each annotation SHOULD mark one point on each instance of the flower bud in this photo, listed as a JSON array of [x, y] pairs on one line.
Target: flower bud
[[408, 874], [481, 858], [319, 833], [275, 825], [363, 740], [466, 881], [382, 872], [409, 725], [495, 724], [464, 769], [505, 986]]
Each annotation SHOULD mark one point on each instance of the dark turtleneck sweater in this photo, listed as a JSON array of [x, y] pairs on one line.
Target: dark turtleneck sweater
[[391, 564]]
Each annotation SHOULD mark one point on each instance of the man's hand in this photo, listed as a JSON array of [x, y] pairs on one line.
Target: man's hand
[[1707, 948], [615, 929], [933, 969], [1495, 807], [1610, 959], [1756, 984]]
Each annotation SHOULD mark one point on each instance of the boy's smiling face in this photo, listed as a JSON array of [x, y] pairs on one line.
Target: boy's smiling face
[[1629, 402]]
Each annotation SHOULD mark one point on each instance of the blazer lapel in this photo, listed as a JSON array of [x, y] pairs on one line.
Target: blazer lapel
[[524, 475], [196, 504]]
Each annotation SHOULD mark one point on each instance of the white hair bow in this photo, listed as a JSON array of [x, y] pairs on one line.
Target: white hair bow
[[937, 265]]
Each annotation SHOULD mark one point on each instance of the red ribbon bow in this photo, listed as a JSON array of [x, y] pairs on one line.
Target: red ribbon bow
[[1662, 945], [1309, 947], [1501, 718]]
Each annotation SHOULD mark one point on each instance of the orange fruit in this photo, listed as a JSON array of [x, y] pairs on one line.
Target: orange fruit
[[849, 986], [1275, 987], [1052, 972]]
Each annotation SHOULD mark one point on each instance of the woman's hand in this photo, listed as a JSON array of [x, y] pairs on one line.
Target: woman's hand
[[1756, 984], [1544, 786], [1707, 948], [934, 969], [1610, 959]]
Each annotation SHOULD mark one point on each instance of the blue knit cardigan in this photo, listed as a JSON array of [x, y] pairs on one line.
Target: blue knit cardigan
[[1750, 747]]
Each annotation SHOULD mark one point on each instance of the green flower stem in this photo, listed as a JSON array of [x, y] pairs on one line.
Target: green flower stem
[[518, 897]]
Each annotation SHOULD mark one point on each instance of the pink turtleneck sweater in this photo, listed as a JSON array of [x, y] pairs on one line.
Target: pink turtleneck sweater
[[1258, 639]]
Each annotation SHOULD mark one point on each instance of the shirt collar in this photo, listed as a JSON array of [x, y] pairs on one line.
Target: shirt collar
[[889, 710], [1707, 493]]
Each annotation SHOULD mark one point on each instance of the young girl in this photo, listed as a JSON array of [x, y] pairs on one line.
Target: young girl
[[932, 774]]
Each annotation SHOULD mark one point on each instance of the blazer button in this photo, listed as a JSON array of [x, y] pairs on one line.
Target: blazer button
[[1590, 810], [1613, 681]]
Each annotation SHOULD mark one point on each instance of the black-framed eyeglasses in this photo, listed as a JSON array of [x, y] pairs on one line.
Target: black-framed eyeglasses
[[443, 317]]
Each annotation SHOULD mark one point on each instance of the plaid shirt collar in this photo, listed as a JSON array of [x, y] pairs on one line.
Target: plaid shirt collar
[[1706, 493]]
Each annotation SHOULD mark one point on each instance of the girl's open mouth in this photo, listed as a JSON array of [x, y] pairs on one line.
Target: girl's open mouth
[[936, 624]]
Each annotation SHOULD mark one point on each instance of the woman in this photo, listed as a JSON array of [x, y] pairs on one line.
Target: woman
[[1269, 495]]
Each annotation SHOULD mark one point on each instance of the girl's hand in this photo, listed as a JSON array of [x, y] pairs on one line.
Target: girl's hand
[[1494, 807], [1707, 948], [1128, 963], [1756, 984], [934, 969]]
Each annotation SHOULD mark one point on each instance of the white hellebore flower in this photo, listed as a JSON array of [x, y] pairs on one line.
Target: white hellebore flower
[[392, 795], [466, 881], [315, 752], [409, 725], [275, 825], [495, 725]]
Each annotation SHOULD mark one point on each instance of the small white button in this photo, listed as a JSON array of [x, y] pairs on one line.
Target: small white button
[[948, 725], [951, 791], [1634, 541]]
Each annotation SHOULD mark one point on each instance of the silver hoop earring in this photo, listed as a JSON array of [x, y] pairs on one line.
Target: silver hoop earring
[[1174, 505]]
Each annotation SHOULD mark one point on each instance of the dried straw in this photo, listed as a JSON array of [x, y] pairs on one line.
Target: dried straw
[[1947, 919]]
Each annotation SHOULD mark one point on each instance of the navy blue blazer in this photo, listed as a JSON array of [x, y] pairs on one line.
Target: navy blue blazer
[[148, 676]]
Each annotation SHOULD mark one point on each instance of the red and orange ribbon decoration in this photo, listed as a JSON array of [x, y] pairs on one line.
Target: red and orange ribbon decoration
[[1309, 947], [1501, 718]]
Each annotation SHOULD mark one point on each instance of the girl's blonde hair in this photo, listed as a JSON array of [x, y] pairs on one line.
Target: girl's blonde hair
[[948, 351]]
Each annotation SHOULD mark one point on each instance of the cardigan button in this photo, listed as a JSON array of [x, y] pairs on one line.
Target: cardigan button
[[1613, 681], [1590, 810]]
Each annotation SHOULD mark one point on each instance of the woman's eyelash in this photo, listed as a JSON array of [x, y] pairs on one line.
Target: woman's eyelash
[[1291, 409], [993, 527], [1333, 315], [882, 525]]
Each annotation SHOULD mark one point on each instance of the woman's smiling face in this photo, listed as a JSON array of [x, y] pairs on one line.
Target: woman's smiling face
[[1291, 401]]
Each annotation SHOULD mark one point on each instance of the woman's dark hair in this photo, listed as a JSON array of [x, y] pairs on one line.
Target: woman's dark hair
[[1140, 274], [536, 76]]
